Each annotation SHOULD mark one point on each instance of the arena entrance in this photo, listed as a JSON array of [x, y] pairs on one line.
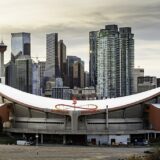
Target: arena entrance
[[76, 139]]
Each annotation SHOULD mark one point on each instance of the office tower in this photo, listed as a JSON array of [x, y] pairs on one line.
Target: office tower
[[3, 48], [93, 61], [35, 79], [78, 74], [23, 66], [70, 62], [107, 50], [112, 61], [20, 49], [146, 83], [86, 79], [138, 72], [41, 66], [10, 74], [126, 61], [20, 44], [52, 68], [62, 59]]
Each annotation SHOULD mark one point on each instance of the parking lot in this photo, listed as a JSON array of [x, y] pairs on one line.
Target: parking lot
[[14, 152]]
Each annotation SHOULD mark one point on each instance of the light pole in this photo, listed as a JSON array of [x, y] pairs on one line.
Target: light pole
[[37, 139]]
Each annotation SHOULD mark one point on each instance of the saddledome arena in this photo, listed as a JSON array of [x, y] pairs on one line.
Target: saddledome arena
[[111, 121]]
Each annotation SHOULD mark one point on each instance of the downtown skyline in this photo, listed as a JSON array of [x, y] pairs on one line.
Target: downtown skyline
[[74, 20]]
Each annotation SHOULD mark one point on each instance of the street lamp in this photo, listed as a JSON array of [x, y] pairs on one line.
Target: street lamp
[[37, 139]]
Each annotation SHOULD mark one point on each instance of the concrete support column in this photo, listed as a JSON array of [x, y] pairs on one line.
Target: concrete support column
[[64, 139], [148, 137], [41, 138], [155, 135], [74, 120], [106, 117]]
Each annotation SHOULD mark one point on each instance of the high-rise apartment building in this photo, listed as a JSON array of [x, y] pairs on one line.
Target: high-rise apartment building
[[112, 61], [106, 61], [52, 68], [126, 47]]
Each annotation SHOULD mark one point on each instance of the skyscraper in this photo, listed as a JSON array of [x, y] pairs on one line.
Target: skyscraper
[[41, 66], [52, 68], [107, 52], [86, 79], [70, 62], [112, 61], [62, 60], [93, 38], [78, 74], [19, 69], [126, 61], [20, 44], [23, 65], [35, 79]]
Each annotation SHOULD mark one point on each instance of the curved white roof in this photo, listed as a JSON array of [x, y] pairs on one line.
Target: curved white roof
[[50, 103]]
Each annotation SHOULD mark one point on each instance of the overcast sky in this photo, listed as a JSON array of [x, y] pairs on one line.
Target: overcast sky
[[73, 20]]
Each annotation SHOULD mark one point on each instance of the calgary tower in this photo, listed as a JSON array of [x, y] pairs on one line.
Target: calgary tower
[[3, 48]]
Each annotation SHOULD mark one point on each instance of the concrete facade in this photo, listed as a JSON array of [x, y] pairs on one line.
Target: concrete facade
[[117, 125]]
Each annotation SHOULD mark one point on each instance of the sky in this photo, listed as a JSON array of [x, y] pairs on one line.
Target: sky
[[73, 20]]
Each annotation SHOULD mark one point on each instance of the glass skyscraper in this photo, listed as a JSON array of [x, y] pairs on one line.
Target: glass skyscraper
[[20, 44], [24, 74], [112, 61], [127, 61], [19, 69], [93, 38], [51, 68], [107, 50]]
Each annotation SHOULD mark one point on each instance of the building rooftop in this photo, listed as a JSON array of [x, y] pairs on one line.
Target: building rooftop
[[50, 103]]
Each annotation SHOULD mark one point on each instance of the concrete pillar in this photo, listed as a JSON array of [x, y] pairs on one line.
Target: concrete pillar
[[74, 120], [148, 137], [41, 138], [155, 135], [106, 117], [64, 139]]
